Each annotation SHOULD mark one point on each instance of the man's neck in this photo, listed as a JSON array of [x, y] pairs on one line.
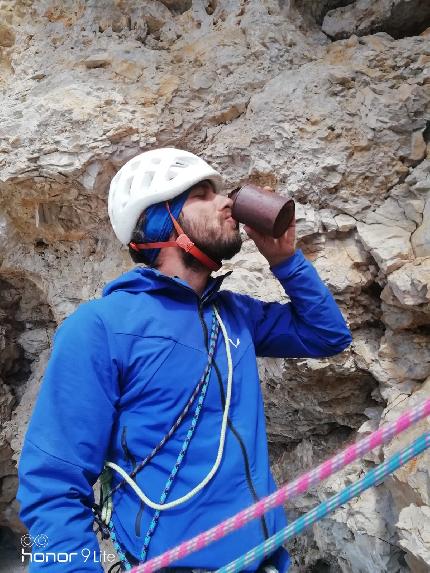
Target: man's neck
[[173, 266]]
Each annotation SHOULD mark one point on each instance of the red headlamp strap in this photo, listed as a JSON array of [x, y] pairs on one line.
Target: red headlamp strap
[[182, 242]]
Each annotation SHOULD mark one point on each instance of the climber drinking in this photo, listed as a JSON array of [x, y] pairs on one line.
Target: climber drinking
[[154, 387]]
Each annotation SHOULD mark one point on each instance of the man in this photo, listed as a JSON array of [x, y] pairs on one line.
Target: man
[[165, 362]]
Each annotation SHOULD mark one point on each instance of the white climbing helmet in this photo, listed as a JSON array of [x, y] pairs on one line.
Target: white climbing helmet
[[151, 177]]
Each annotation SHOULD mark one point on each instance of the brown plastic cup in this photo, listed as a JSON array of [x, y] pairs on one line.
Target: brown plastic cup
[[265, 211]]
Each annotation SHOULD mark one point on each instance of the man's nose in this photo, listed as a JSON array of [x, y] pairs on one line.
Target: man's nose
[[225, 202]]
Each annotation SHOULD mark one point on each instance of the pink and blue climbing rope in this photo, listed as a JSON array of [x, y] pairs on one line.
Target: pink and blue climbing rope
[[373, 477], [290, 490]]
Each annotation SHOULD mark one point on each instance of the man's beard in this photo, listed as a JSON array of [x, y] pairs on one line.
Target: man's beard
[[211, 239]]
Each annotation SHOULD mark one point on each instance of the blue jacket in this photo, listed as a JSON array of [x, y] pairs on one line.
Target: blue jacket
[[121, 370]]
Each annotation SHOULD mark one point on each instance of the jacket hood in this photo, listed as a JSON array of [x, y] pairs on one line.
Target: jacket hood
[[145, 279]]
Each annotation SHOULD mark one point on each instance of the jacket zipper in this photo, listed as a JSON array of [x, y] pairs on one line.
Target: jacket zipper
[[234, 430], [127, 454], [130, 458]]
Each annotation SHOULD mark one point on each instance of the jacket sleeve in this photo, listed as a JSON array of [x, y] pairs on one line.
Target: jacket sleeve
[[311, 325], [65, 447]]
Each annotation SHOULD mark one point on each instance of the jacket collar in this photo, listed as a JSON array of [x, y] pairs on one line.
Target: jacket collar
[[145, 279]]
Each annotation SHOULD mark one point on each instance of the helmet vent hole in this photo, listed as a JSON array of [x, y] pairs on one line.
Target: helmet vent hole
[[171, 174], [127, 183], [186, 161], [147, 179]]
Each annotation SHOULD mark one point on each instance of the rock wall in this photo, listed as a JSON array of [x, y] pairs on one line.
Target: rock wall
[[327, 101]]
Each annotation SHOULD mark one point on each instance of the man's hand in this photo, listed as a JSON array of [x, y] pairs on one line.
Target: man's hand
[[275, 250]]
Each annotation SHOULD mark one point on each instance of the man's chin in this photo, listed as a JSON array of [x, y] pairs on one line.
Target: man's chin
[[222, 252], [232, 250], [229, 256], [221, 245]]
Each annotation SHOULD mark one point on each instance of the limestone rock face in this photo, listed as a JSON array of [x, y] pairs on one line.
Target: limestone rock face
[[414, 523], [326, 101], [397, 17]]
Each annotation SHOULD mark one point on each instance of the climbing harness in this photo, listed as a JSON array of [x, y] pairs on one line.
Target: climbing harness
[[103, 510], [304, 482]]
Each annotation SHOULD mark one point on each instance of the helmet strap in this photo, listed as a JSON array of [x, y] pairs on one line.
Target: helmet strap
[[183, 242]]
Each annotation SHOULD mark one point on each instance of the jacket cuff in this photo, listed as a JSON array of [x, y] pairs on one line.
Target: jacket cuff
[[285, 269]]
